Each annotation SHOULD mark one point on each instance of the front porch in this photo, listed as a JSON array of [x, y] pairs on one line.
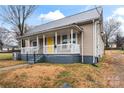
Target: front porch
[[65, 41]]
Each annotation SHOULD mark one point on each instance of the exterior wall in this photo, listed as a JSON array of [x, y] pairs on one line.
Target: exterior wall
[[101, 52], [87, 40], [93, 45]]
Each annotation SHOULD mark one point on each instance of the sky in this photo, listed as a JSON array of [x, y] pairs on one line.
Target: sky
[[46, 13]]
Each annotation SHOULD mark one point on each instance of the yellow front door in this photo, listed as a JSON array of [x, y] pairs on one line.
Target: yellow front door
[[50, 41]]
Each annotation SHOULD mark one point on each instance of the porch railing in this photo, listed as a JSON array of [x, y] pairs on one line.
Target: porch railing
[[62, 49], [52, 49], [48, 49], [29, 50]]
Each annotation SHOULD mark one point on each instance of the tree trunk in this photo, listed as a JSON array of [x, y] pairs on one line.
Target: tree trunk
[[107, 44]]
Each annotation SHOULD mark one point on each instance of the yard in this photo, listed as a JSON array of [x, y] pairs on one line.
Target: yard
[[5, 56], [104, 74], [55, 75], [6, 60]]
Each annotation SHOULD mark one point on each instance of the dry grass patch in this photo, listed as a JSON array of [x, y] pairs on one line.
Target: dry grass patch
[[115, 56], [55, 75], [6, 63], [33, 76]]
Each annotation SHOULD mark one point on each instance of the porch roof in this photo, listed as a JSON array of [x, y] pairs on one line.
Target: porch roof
[[53, 29], [67, 21]]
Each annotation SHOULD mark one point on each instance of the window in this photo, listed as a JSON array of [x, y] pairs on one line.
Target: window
[[64, 39], [74, 38], [58, 39], [34, 43], [23, 43]]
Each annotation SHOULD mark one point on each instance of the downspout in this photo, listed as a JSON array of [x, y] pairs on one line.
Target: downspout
[[93, 43], [82, 47]]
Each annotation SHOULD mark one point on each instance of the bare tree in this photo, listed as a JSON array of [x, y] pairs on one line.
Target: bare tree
[[3, 35], [17, 31], [17, 15], [1, 44], [111, 27], [119, 39]]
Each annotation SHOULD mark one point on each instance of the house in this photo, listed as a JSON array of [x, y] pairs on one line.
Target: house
[[75, 38], [112, 45]]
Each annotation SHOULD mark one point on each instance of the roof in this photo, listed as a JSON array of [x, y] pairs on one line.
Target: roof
[[77, 18]]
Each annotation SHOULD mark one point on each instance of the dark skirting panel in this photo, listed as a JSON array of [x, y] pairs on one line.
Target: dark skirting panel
[[58, 58]]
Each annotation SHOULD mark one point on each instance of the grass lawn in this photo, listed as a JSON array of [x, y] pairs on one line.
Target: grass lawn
[[5, 56], [6, 60], [55, 75]]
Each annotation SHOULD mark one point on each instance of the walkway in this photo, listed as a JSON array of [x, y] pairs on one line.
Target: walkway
[[12, 67]]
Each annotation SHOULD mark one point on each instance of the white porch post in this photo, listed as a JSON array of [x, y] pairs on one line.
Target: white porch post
[[21, 43], [71, 40], [37, 41], [37, 44], [29, 46], [60, 39], [76, 38], [28, 42], [43, 43], [55, 42], [60, 42]]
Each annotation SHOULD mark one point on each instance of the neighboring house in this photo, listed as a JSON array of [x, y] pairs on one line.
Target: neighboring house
[[7, 40], [112, 45], [8, 48], [76, 38], [5, 48]]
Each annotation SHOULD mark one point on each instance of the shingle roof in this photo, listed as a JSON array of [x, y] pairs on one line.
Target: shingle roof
[[80, 17]]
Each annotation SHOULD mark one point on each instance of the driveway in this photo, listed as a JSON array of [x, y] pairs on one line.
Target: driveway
[[117, 61]]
